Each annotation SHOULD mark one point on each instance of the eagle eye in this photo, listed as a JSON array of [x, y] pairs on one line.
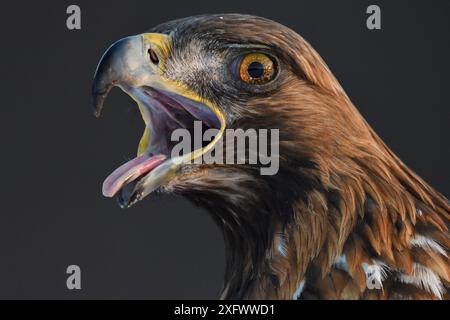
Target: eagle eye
[[256, 68]]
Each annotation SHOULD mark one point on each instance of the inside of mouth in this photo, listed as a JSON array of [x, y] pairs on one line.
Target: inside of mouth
[[163, 113]]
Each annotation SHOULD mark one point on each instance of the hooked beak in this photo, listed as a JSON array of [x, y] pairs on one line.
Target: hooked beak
[[165, 106]]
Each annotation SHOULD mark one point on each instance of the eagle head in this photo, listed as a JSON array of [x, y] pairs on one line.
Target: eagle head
[[338, 194]]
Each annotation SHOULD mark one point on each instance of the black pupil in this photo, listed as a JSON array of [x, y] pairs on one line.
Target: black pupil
[[256, 69]]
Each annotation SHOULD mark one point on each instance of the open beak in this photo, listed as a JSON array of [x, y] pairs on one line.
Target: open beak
[[136, 65]]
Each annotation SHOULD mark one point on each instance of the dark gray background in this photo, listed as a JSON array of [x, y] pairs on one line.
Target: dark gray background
[[55, 154]]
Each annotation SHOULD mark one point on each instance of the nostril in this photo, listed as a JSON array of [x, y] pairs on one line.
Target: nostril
[[153, 56]]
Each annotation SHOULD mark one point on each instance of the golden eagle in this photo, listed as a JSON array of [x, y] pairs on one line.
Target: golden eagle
[[343, 218]]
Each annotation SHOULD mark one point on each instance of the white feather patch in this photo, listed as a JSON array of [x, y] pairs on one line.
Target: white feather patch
[[341, 263], [376, 273], [282, 246], [427, 244], [299, 291], [424, 278]]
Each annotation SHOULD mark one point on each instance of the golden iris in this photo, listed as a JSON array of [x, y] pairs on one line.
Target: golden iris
[[256, 68]]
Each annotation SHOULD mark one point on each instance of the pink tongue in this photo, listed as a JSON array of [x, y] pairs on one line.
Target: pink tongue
[[130, 171]]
